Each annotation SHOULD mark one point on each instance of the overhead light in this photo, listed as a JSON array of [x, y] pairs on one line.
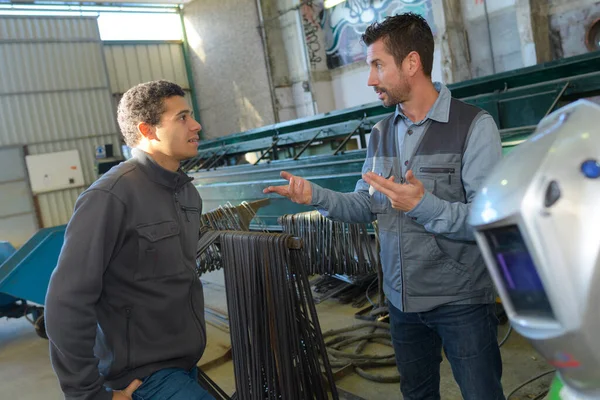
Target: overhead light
[[332, 3]]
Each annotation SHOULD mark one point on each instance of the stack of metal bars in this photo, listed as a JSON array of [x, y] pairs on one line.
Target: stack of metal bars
[[332, 247], [276, 336], [228, 217]]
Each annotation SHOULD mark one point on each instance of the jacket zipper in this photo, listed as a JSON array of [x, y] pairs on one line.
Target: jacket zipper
[[402, 266], [436, 170], [195, 277], [400, 217], [128, 337]]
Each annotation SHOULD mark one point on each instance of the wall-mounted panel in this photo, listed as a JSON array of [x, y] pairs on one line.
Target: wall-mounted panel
[[87, 151], [50, 172]]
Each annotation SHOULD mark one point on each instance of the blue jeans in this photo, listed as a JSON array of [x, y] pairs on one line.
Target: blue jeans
[[468, 335], [172, 384]]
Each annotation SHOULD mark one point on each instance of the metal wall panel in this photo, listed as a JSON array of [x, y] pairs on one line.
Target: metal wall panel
[[56, 66], [18, 220], [55, 96], [11, 198], [133, 63], [47, 117], [28, 28], [56, 208], [18, 229]]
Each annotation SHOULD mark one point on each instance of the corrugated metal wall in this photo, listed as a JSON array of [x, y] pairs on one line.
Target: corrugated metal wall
[[18, 221], [55, 96], [136, 62]]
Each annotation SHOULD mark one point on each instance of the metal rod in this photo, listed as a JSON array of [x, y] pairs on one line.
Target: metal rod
[[557, 98], [308, 144], [341, 146], [267, 151], [208, 160], [218, 159]]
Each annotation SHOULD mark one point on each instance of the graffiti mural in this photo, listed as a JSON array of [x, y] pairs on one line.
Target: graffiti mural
[[312, 17], [344, 24]]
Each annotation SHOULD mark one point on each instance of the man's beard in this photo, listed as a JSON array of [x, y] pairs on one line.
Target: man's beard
[[394, 97]]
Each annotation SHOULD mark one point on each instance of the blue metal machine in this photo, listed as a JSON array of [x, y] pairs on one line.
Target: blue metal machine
[[25, 274]]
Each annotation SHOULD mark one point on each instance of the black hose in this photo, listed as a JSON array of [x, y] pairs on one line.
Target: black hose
[[506, 336], [515, 390]]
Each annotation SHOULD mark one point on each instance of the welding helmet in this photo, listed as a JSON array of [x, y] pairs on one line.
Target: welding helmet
[[537, 222]]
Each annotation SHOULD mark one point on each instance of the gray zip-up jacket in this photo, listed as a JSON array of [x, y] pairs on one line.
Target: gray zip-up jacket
[[429, 256], [125, 299]]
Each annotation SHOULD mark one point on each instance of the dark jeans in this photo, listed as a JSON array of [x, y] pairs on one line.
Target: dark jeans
[[468, 335], [172, 384]]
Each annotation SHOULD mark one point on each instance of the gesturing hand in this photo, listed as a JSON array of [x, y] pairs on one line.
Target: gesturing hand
[[404, 197], [298, 190]]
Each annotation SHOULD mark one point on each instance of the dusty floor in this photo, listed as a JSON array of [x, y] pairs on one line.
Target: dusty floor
[[25, 371]]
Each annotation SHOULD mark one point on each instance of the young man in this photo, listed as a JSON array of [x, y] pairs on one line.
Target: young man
[[424, 165], [125, 308]]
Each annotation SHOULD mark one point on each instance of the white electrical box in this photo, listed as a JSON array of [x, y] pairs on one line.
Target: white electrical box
[[54, 171]]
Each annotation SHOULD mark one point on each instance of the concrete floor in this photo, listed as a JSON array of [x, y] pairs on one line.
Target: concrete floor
[[26, 374]]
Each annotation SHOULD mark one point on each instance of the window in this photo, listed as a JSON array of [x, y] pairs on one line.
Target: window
[[126, 23], [140, 26]]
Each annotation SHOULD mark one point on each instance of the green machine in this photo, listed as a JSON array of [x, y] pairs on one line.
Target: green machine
[[329, 149]]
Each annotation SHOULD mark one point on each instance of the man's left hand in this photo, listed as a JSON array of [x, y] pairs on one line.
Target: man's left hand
[[404, 197]]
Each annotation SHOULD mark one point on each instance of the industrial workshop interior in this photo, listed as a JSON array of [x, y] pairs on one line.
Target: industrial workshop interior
[[247, 199]]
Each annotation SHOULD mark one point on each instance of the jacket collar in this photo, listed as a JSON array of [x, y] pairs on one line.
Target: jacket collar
[[158, 174], [440, 111]]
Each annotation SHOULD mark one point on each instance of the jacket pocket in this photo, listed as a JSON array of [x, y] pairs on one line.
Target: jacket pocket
[[431, 272], [446, 180], [380, 204], [114, 345], [159, 246], [192, 214]]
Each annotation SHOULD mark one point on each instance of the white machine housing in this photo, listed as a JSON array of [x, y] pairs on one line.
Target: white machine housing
[[537, 222]]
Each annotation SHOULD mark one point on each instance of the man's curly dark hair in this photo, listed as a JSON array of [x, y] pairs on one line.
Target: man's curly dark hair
[[144, 103], [402, 34]]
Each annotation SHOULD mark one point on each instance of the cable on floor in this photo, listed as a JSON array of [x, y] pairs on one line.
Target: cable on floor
[[337, 339], [522, 385], [506, 336]]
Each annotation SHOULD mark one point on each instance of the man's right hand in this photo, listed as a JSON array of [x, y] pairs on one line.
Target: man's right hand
[[298, 190], [127, 393]]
